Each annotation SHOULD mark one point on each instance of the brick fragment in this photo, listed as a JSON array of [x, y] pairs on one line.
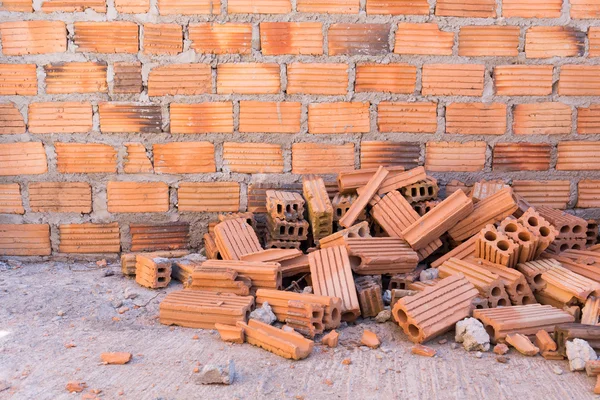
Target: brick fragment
[[421, 350], [137, 197], [127, 77], [201, 117], [106, 37], [522, 344], [17, 6], [87, 158], [227, 38], [73, 197], [493, 40], [590, 315], [375, 153], [555, 194], [554, 41], [89, 238], [531, 8], [22, 158], [521, 157], [285, 344], [49, 6], [128, 259], [339, 117], [451, 156], [184, 158], [573, 156], [76, 77], [129, 117], [328, 6], [182, 269], [189, 7], [25, 240], [60, 117], [476, 118], [132, 6], [358, 39], [33, 37], [232, 334], [320, 211], [248, 78], [319, 158], [472, 8], [369, 295], [270, 117], [340, 238], [317, 78], [592, 368], [253, 158], [584, 9], [579, 80], [418, 117], [588, 119], [523, 80], [162, 39], [423, 39], [154, 237], [18, 79], [11, 120], [10, 199], [279, 38], [180, 79], [398, 7], [391, 78], [136, 159], [209, 196], [453, 79]]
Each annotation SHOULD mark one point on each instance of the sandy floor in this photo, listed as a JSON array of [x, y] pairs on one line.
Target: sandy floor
[[40, 351]]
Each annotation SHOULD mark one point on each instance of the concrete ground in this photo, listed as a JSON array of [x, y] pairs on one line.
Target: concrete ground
[[57, 318]]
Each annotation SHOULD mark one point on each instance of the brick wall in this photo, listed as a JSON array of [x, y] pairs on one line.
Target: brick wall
[[119, 117]]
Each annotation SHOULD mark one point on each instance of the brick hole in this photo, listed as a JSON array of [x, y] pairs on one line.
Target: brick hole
[[295, 207], [401, 316], [354, 261], [249, 221], [279, 209], [422, 191], [532, 221], [282, 230], [489, 235], [503, 303], [413, 192], [338, 211], [479, 307], [162, 279], [578, 229], [538, 279], [565, 229], [427, 209], [576, 247], [564, 247], [413, 330], [524, 236], [316, 314], [490, 329], [288, 209], [520, 288], [335, 314], [161, 270], [544, 231], [300, 231], [528, 300], [290, 230], [496, 292], [510, 228], [503, 245], [592, 227], [318, 326], [430, 191]]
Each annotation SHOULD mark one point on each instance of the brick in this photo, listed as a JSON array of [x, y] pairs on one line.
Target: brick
[[129, 117], [418, 117], [18, 79], [279, 38], [49, 6], [563, 285], [423, 39], [136, 159], [588, 119], [189, 7], [180, 79], [184, 158], [25, 240], [106, 37], [127, 78], [494, 40], [385, 255], [342, 117], [154, 237], [398, 7], [285, 344], [515, 283], [208, 196], [76, 77], [579, 80], [531, 8], [555, 194], [576, 262], [319, 158], [259, 6], [235, 238], [554, 41], [521, 157], [89, 238], [270, 117], [590, 315], [248, 78], [574, 156], [375, 153], [584, 9], [341, 203], [426, 189], [327, 79], [280, 229], [328, 6], [60, 117], [542, 118], [452, 156], [10, 199], [472, 9], [476, 118], [201, 117], [358, 39], [523, 80], [496, 247], [588, 194], [74, 197], [453, 79], [162, 39], [370, 300], [594, 42], [320, 210], [132, 6], [368, 191], [522, 344], [285, 205], [17, 6], [22, 158], [391, 78], [253, 158], [566, 224], [87, 158], [11, 120], [257, 194], [220, 280], [137, 197], [227, 38], [532, 270], [33, 37], [541, 228]]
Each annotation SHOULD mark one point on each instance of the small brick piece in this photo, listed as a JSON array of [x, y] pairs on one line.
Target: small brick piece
[[163, 39], [285, 205], [209, 196], [544, 342], [210, 247], [398, 7], [259, 7], [521, 157], [33, 37], [248, 78], [542, 118], [451, 156], [11, 120], [390, 78], [76, 77], [588, 194], [423, 39], [189, 7], [75, 197], [17, 6], [253, 158], [129, 117], [594, 40], [49, 6], [180, 79], [136, 159], [579, 80], [476, 118], [369, 295], [453, 79], [472, 9], [228, 38], [584, 9], [280, 38], [493, 40], [22, 158], [418, 117], [421, 350], [554, 41], [523, 80], [25, 240], [328, 6], [574, 156], [531, 8], [202, 117], [555, 194], [270, 117], [298, 312], [358, 39], [588, 119], [319, 158], [127, 78], [106, 37], [171, 236], [184, 158], [10, 199], [320, 211], [60, 117], [235, 238], [86, 158], [338, 117], [89, 238], [522, 344], [285, 344], [375, 153], [231, 334], [18, 79], [132, 6], [137, 197], [326, 79]]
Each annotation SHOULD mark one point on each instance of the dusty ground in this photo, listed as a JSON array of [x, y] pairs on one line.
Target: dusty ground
[[56, 319]]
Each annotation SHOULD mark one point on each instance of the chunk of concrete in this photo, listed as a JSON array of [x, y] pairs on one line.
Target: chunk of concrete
[[216, 374], [383, 316], [264, 314], [578, 352], [471, 333], [429, 274]]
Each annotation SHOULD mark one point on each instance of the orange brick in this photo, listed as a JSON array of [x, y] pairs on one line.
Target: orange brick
[[49, 6], [163, 39], [25, 240], [129, 117], [455, 157], [423, 39], [89, 238], [85, 158], [392, 78], [59, 117], [495, 40], [579, 80], [106, 37], [228, 38], [376, 153], [551, 41], [208, 197], [542, 118], [555, 194], [132, 6], [22, 158], [398, 7], [18, 79], [476, 118], [328, 6], [588, 195], [136, 159], [585, 9], [10, 199], [523, 80], [127, 77], [278, 38], [461, 8], [248, 78], [521, 157], [259, 6], [180, 79], [17, 5], [339, 117], [64, 197], [189, 7], [417, 117], [594, 38], [578, 156], [270, 117], [320, 158], [531, 8], [137, 197], [327, 79], [184, 158], [33, 37], [358, 39], [588, 119], [253, 158], [157, 237], [202, 117], [11, 120], [453, 79], [76, 77]]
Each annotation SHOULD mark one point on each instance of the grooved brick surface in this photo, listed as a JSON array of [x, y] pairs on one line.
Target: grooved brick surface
[[73, 5], [579, 80], [129, 117], [470, 8], [451, 156], [407, 117], [375, 153], [33, 37], [453, 79], [521, 157], [476, 118], [588, 119], [87, 158], [228, 38], [58, 117], [137, 197], [523, 80], [17, 5], [317, 158], [128, 77], [259, 6], [392, 78], [581, 156], [180, 79], [106, 37], [22, 158], [184, 158], [542, 118], [156, 237], [189, 7], [398, 7], [162, 39], [358, 39], [10, 199], [201, 117], [132, 6], [209, 196], [61, 197], [278, 38], [18, 79], [553, 194], [253, 158], [338, 117], [589, 193], [531, 8], [550, 41], [328, 6], [89, 238], [248, 78], [326, 79], [11, 120], [501, 41], [25, 240], [270, 117], [76, 77], [136, 160], [423, 39]]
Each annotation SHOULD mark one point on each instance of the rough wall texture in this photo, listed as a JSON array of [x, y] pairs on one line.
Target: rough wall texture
[[142, 112]]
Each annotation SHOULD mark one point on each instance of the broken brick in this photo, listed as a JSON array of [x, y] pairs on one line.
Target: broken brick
[[11, 120], [230, 333], [152, 272], [369, 295], [285, 344]]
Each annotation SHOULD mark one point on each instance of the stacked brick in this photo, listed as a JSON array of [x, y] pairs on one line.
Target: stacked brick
[[286, 226]]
